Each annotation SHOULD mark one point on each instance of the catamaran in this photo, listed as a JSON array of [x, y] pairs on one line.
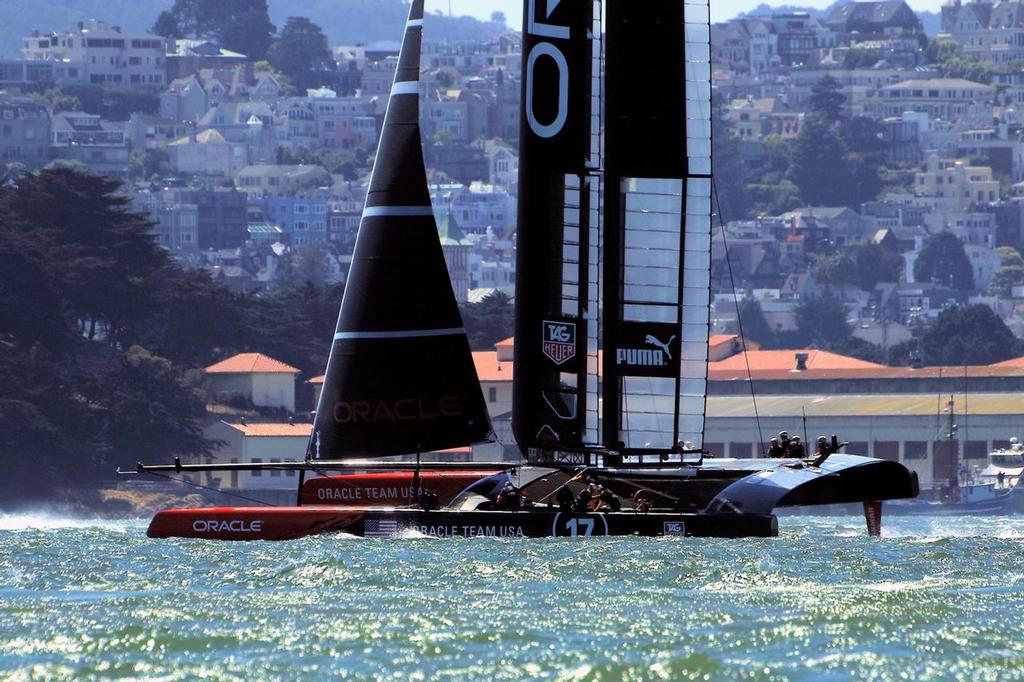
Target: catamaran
[[612, 321]]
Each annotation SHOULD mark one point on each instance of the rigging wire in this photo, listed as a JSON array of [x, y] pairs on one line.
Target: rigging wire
[[739, 319], [204, 487]]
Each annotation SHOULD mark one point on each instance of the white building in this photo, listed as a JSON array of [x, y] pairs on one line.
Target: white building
[[257, 443], [98, 53], [266, 382]]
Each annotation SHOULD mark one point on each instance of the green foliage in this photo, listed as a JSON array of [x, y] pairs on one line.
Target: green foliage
[[754, 324], [942, 260], [873, 264], [240, 25], [969, 335], [969, 68], [859, 348], [826, 101], [863, 135], [820, 168], [300, 50], [149, 164], [835, 270], [80, 281], [941, 50], [111, 104], [347, 163], [766, 199], [726, 162], [861, 58], [488, 321], [821, 321]]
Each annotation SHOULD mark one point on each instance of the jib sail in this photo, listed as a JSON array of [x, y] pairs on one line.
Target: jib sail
[[400, 378], [613, 271]]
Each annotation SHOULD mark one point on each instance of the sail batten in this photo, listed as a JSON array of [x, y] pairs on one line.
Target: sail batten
[[400, 377]]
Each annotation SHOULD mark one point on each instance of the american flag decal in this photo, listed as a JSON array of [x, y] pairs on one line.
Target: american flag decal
[[380, 528]]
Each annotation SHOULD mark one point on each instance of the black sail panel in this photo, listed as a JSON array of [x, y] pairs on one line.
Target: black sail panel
[[400, 378], [656, 292], [555, 389]]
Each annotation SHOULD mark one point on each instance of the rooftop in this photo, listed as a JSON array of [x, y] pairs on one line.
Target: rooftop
[[250, 363], [265, 430]]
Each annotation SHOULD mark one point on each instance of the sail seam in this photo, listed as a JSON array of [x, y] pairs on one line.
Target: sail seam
[[397, 211], [404, 334]]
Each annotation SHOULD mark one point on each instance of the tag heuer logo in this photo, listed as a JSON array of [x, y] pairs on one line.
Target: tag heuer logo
[[559, 341]]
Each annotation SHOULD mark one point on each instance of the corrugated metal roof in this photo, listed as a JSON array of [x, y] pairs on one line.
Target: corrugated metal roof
[[888, 405]]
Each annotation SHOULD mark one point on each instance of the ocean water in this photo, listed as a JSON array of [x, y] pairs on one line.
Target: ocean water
[[934, 598]]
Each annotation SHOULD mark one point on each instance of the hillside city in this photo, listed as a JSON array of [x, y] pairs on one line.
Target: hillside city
[[870, 180]]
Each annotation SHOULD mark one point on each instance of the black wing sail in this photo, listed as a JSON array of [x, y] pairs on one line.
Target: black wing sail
[[657, 223], [400, 378], [555, 404]]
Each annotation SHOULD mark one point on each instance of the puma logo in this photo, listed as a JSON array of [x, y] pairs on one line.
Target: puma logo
[[652, 341]]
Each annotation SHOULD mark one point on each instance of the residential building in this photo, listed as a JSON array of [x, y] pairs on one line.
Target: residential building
[[954, 185], [258, 378], [184, 100], [101, 145], [949, 99], [99, 53], [263, 180], [24, 132], [303, 217], [258, 443], [871, 18], [186, 57], [26, 73], [208, 154], [985, 30]]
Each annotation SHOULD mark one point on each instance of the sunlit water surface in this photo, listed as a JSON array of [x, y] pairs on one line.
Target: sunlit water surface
[[933, 599]]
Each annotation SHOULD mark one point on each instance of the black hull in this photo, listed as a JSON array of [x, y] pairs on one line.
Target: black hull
[[544, 523]]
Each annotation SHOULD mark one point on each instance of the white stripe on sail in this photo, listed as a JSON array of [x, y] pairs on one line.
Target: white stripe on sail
[[414, 23], [397, 211], [405, 334], [405, 88]]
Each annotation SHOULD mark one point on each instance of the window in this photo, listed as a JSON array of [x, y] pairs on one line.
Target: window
[[741, 450], [275, 472], [915, 449], [256, 473], [492, 395], [975, 449]]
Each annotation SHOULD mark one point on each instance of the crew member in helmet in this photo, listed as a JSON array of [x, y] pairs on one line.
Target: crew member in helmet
[[796, 448], [775, 450], [784, 441], [822, 451], [509, 498]]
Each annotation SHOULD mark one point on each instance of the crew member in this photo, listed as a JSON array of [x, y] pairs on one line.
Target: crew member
[[784, 441], [564, 498], [775, 450], [822, 451], [509, 498], [796, 448], [610, 501], [1001, 476]]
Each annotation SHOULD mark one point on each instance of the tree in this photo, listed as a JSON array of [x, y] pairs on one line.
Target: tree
[[826, 101], [97, 253], [862, 134], [726, 161], [488, 321], [835, 270], [821, 321], [299, 50], [239, 25], [820, 168], [969, 335], [1009, 274], [873, 264], [942, 260], [754, 324]]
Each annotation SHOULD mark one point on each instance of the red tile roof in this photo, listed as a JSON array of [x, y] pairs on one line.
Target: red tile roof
[[1013, 362], [316, 380], [249, 363], [263, 430], [488, 367], [785, 360]]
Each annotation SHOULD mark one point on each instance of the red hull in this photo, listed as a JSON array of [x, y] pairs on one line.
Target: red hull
[[389, 488], [251, 523]]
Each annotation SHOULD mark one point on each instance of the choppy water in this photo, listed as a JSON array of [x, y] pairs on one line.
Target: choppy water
[[934, 599]]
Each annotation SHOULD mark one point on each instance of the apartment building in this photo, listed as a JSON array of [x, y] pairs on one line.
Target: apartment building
[[98, 53]]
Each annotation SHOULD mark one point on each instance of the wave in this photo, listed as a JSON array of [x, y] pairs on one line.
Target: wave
[[42, 520]]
